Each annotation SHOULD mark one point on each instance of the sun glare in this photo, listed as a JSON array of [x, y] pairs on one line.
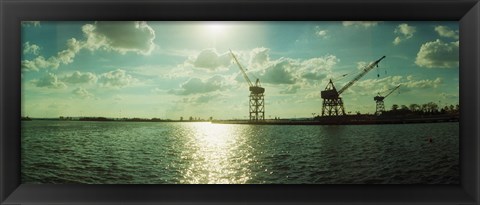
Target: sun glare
[[216, 28], [215, 32], [216, 160]]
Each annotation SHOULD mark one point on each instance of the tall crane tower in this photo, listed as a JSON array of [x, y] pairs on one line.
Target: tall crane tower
[[332, 102], [379, 101], [256, 102]]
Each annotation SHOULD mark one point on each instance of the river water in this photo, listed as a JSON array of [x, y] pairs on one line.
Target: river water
[[66, 152]]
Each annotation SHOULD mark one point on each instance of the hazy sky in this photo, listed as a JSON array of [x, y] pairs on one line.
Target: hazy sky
[[174, 69]]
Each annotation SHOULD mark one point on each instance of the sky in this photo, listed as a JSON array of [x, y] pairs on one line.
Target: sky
[[173, 69]]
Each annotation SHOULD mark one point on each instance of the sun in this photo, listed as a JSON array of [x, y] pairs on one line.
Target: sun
[[215, 33], [216, 28]]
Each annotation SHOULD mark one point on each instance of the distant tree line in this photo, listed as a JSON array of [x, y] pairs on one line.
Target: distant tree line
[[134, 119], [196, 119], [430, 108]]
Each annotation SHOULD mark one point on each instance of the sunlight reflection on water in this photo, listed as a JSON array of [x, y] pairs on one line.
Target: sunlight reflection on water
[[215, 150], [71, 152]]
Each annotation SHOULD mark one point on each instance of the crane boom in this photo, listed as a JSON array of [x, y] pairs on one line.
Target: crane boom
[[365, 71], [391, 91], [256, 103], [243, 71]]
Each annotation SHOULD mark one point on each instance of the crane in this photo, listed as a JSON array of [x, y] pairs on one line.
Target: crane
[[332, 102], [256, 102], [379, 101]]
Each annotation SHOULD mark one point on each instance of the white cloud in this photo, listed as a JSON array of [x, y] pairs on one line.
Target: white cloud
[[364, 24], [39, 62], [287, 70], [404, 31], [259, 56], [361, 65], [50, 81], [397, 40], [380, 85], [291, 89], [426, 83], [66, 56], [63, 57], [93, 40], [321, 33], [294, 73], [445, 31], [316, 68], [438, 54], [78, 78], [180, 71], [31, 48], [278, 72], [116, 79], [82, 93], [196, 85], [210, 60], [123, 37], [201, 98]]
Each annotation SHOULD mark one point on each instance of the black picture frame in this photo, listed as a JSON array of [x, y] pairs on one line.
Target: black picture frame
[[467, 12]]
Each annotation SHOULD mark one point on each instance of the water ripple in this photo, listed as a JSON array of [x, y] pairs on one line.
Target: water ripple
[[170, 153]]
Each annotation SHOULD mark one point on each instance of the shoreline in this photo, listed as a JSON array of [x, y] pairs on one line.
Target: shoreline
[[328, 120], [350, 120]]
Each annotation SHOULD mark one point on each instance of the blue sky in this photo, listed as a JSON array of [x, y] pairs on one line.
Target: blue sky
[[182, 69]]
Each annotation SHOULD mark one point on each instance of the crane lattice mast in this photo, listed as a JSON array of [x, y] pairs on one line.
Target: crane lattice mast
[[332, 102], [256, 101], [380, 105]]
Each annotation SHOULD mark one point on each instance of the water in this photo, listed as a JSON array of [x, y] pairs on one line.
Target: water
[[169, 153]]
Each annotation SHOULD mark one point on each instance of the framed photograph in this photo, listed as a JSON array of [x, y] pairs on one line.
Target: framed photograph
[[232, 102]]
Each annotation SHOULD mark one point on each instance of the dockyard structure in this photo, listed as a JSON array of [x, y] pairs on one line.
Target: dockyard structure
[[332, 102], [380, 105], [256, 98]]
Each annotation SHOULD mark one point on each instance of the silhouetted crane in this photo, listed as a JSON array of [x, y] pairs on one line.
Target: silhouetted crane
[[332, 102], [379, 101], [256, 102]]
